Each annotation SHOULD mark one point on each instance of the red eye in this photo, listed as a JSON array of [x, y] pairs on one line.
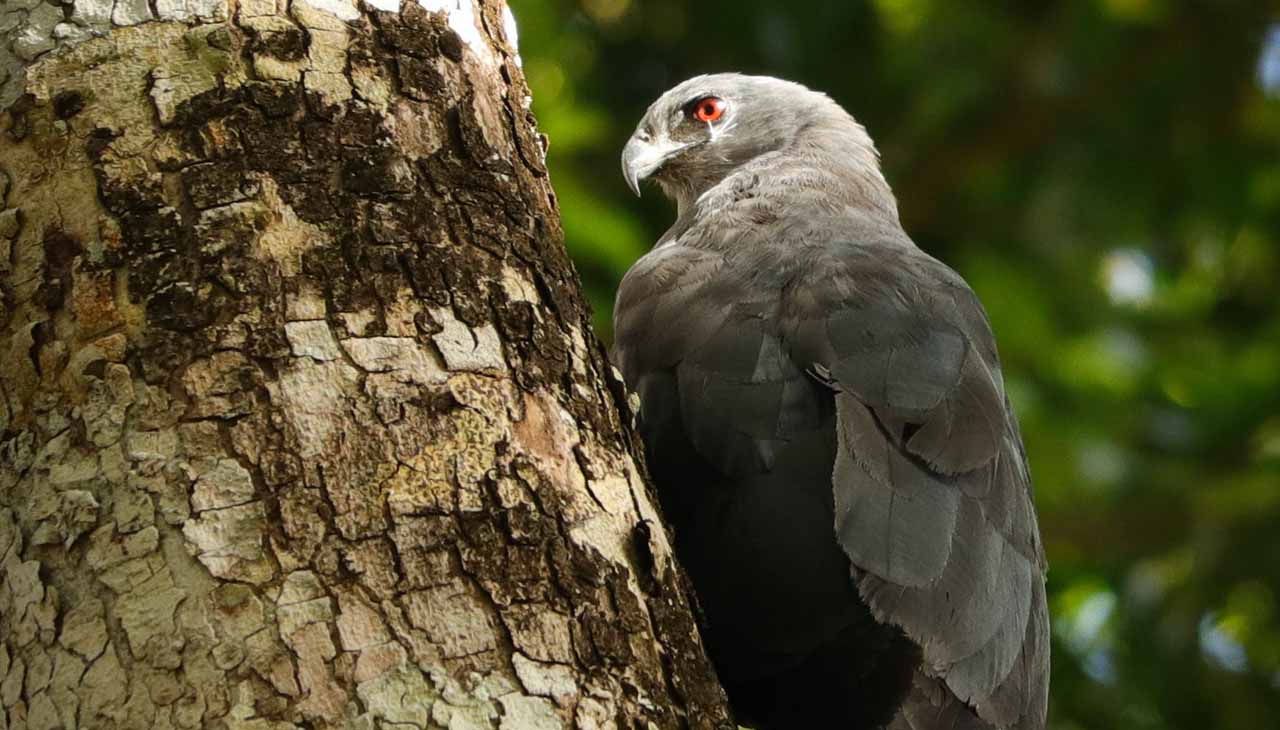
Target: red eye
[[709, 109]]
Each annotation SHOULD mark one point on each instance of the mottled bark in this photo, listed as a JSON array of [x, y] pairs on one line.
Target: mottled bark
[[301, 421]]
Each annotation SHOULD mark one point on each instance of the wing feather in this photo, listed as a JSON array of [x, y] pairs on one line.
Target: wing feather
[[899, 525], [932, 494]]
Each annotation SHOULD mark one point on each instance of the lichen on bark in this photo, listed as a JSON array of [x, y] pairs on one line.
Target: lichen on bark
[[301, 421]]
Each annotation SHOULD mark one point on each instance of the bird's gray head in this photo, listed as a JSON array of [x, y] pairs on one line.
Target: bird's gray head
[[699, 132]]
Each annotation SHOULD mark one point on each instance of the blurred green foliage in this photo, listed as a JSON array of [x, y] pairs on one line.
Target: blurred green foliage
[[1106, 174]]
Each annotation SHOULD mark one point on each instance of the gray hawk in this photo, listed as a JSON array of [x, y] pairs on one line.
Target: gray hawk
[[826, 422]]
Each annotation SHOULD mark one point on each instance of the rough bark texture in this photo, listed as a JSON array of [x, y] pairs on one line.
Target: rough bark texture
[[301, 422]]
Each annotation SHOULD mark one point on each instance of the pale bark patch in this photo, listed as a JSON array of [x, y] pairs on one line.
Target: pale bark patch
[[555, 681], [464, 348], [313, 339], [229, 542], [313, 398]]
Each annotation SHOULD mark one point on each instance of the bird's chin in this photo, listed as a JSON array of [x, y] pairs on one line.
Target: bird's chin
[[670, 186]]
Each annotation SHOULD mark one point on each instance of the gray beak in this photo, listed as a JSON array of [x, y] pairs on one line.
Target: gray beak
[[643, 156]]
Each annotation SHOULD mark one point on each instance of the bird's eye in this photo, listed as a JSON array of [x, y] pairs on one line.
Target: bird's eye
[[708, 109]]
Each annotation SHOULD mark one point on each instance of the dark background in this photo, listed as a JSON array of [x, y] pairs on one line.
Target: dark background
[[1106, 174]]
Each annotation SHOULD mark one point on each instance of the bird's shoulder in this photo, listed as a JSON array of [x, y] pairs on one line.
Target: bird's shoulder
[[809, 268]]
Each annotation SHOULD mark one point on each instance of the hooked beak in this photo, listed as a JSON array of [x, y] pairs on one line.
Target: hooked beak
[[643, 157]]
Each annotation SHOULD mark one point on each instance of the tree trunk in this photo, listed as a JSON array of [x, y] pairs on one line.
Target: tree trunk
[[303, 425]]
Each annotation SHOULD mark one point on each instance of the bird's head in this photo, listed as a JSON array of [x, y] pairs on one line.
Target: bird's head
[[703, 129]]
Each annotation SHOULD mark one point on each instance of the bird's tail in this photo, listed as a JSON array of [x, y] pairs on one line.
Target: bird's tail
[[931, 706]]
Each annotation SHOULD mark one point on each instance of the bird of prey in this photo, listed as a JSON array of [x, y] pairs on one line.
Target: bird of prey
[[826, 423]]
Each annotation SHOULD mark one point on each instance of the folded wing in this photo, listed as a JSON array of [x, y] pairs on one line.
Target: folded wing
[[932, 494]]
